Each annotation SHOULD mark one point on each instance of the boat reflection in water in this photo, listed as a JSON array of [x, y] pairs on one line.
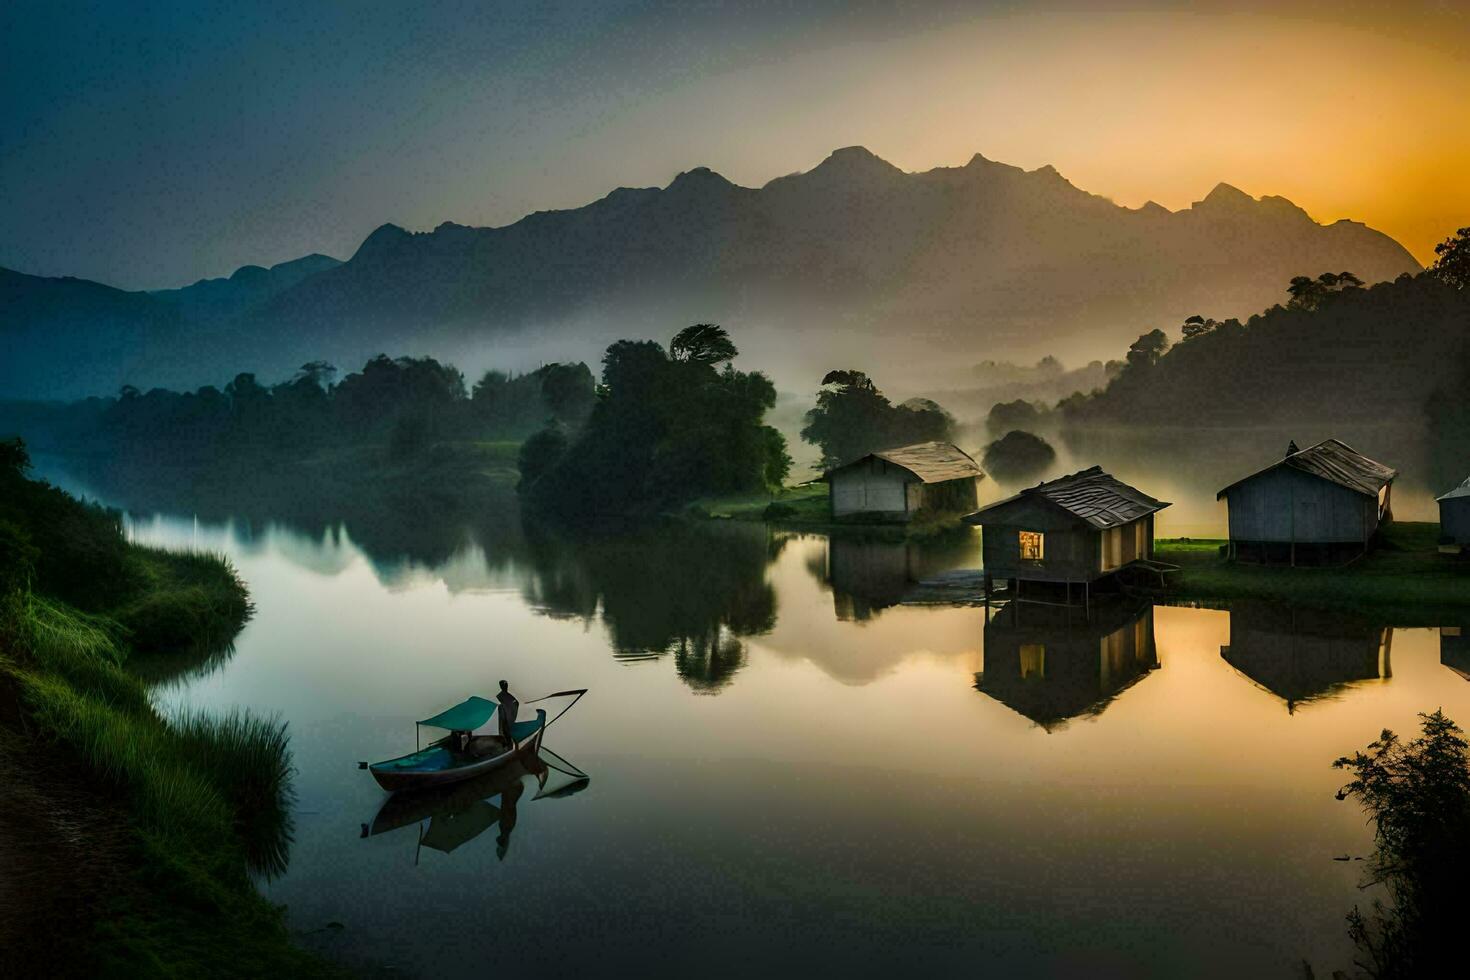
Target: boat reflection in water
[[450, 816], [1055, 663], [1306, 655], [1454, 649]]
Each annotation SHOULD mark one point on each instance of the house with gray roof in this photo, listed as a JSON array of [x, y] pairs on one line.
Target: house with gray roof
[[895, 484], [1074, 529], [1319, 505], [1454, 519]]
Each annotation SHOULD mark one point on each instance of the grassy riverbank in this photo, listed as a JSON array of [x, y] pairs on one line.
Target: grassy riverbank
[[1404, 576], [806, 508], [135, 833]]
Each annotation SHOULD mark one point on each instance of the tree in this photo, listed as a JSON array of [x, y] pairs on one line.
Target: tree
[[703, 343], [1452, 267], [665, 430], [1197, 326], [1146, 350], [1309, 294], [14, 457], [1018, 455], [539, 454], [1417, 796], [853, 418], [1018, 414], [568, 391]]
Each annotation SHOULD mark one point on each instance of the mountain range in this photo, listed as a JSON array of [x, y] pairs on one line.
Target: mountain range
[[854, 263]]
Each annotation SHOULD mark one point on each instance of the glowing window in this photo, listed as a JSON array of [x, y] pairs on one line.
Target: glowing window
[[1033, 545], [1033, 661]]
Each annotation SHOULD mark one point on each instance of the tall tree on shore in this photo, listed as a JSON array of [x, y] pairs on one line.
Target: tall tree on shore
[[852, 418], [668, 426]]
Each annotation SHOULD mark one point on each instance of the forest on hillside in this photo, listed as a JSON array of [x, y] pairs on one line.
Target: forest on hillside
[[1396, 351]]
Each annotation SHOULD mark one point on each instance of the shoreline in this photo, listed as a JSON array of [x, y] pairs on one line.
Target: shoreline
[[151, 824]]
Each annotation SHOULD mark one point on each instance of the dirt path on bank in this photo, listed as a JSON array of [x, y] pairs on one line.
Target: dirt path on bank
[[59, 853]]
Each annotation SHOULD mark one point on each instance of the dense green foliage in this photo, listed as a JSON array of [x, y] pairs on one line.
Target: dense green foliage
[[853, 418], [406, 403], [1346, 353], [666, 428], [198, 801], [1005, 417], [1018, 455], [1417, 796]]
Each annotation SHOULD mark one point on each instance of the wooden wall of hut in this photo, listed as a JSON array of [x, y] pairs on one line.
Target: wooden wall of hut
[[1285, 505]]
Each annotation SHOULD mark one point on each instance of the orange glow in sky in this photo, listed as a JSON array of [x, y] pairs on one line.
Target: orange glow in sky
[[1365, 121]]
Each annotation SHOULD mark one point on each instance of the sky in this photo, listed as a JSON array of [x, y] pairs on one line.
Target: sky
[[147, 145]]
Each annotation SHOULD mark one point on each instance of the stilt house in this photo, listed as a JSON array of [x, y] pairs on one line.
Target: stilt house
[[1074, 529], [1319, 505], [1454, 520], [895, 484]]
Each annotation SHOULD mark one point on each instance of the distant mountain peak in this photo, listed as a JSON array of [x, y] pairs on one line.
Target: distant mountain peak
[[699, 177], [381, 242], [855, 161], [1225, 195]]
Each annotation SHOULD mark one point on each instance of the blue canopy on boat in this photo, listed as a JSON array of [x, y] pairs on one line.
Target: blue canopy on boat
[[466, 716]]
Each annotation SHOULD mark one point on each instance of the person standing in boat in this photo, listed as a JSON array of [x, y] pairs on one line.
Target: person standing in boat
[[509, 706]]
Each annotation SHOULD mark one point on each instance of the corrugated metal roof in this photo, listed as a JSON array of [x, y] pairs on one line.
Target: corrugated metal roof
[[1463, 490], [1336, 462], [932, 462], [1091, 495]]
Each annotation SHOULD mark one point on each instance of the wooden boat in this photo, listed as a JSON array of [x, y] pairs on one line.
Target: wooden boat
[[461, 754], [457, 799]]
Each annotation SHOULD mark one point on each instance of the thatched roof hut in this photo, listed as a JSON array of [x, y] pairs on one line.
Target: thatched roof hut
[[895, 484]]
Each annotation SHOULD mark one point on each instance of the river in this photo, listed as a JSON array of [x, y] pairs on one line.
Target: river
[[792, 771]]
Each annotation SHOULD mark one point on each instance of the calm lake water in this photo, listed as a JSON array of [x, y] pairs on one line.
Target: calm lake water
[[791, 772]]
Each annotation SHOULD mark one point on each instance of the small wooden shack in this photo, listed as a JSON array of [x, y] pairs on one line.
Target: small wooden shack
[[1454, 520], [1074, 529], [1320, 505], [895, 484]]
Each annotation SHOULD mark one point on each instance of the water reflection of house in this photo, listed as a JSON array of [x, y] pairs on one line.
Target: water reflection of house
[[1074, 529], [1050, 664], [1318, 505], [1454, 649], [895, 484], [870, 574], [1301, 655]]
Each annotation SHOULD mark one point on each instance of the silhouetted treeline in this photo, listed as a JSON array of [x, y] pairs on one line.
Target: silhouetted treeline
[[853, 418], [405, 403], [1338, 351], [668, 426]]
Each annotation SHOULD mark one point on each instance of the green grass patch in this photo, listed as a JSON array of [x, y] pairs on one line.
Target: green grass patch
[[1403, 579], [806, 507], [207, 799], [789, 504], [183, 602]]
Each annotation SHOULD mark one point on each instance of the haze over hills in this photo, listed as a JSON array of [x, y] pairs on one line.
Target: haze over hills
[[855, 263]]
